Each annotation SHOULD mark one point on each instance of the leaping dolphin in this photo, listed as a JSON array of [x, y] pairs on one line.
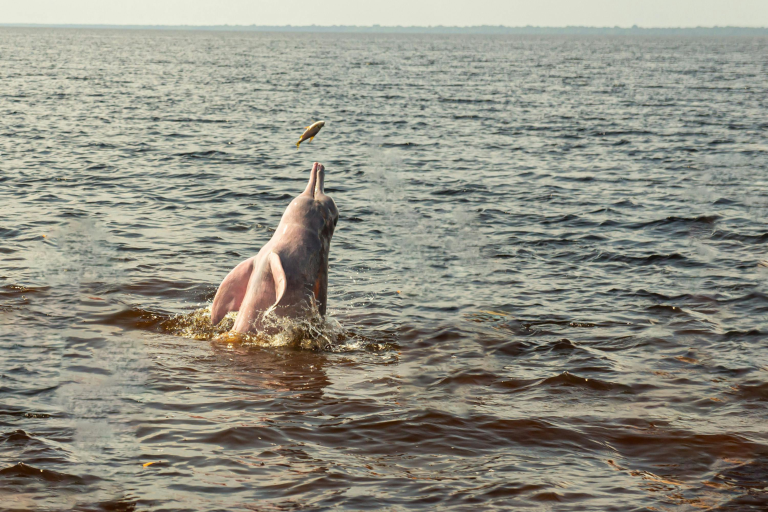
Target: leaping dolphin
[[289, 275]]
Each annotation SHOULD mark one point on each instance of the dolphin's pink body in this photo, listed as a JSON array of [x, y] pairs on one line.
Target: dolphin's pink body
[[290, 273]]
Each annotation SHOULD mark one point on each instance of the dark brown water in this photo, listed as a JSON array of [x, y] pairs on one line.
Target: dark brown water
[[545, 286]]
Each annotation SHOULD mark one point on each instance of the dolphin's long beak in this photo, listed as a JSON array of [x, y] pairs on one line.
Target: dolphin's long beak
[[315, 187], [320, 177], [310, 190]]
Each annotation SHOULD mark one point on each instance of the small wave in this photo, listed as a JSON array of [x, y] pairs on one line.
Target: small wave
[[757, 391], [614, 133], [703, 219], [739, 237], [188, 120], [567, 379], [470, 377], [652, 259], [16, 436], [467, 100], [13, 290], [22, 470], [211, 154], [401, 144], [561, 218]]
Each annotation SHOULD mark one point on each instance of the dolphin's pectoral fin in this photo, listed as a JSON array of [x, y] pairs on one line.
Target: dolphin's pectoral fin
[[278, 276], [231, 291], [310, 139]]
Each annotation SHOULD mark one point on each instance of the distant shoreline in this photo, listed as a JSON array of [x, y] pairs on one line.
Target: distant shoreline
[[376, 29]]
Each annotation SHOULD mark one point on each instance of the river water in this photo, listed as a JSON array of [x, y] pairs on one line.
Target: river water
[[546, 289]]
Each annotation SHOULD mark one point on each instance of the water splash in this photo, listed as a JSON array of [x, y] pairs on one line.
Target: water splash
[[310, 332]]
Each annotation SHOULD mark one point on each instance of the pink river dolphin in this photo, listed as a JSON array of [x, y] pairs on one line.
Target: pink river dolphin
[[289, 275]]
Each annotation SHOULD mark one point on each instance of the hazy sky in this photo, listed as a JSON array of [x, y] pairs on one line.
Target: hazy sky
[[645, 13]]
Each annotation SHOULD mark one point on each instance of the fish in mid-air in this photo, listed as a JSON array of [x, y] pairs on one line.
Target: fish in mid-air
[[310, 132]]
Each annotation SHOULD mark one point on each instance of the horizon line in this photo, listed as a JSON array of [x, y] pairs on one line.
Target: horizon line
[[376, 28]]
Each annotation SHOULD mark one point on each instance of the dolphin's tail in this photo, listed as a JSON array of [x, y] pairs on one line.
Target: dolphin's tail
[[297, 145]]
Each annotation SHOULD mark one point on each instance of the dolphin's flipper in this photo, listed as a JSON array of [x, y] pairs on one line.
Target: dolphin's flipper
[[230, 294], [266, 287], [278, 276]]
